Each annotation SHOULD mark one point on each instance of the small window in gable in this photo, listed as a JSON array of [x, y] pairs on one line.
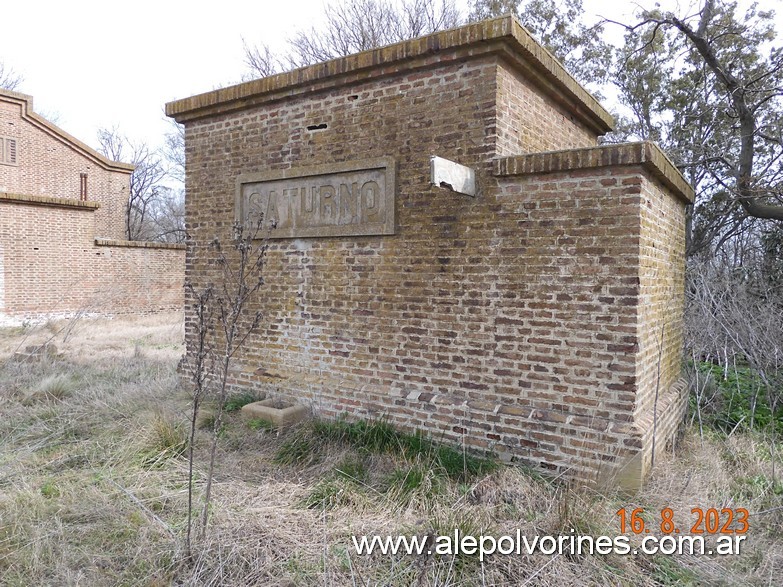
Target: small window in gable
[[7, 151], [83, 187]]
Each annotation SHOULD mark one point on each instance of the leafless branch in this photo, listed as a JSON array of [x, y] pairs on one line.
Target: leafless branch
[[9, 79]]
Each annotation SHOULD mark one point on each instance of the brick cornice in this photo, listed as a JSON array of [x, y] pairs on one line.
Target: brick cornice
[[105, 242], [47, 201], [26, 103], [503, 36], [644, 154]]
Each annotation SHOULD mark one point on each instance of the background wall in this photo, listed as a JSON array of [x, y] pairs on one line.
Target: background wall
[[52, 264]]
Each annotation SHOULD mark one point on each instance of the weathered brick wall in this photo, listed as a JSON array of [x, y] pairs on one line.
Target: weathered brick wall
[[662, 401], [576, 363], [529, 122], [51, 263], [49, 163], [508, 322], [662, 282], [628, 213]]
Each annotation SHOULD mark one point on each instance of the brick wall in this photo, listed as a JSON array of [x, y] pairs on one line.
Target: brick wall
[[51, 263], [510, 322], [529, 122], [60, 254], [2, 275], [662, 398], [50, 163], [624, 266]]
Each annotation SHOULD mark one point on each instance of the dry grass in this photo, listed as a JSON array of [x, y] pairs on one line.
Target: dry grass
[[93, 490]]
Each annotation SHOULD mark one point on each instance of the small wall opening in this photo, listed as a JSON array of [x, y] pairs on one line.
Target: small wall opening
[[83, 187]]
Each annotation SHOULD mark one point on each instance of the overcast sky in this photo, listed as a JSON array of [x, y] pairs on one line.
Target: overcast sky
[[98, 64], [93, 64]]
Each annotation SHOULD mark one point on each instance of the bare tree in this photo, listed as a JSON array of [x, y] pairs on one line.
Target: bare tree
[[146, 183], [174, 151], [260, 60], [165, 217], [421, 17], [9, 79], [734, 318], [355, 26]]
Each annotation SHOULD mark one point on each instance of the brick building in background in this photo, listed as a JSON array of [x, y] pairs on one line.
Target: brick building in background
[[540, 319], [62, 227]]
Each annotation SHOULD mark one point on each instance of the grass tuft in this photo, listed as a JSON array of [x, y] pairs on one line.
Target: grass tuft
[[353, 469], [235, 402], [414, 481], [166, 440], [50, 490], [55, 387], [325, 495], [259, 424], [206, 420], [423, 467], [300, 449], [380, 437]]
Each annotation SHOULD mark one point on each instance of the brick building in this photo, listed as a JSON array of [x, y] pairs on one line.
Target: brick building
[[540, 319], [62, 227]]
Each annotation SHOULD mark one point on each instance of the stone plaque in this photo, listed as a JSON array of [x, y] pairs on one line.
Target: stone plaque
[[343, 199]]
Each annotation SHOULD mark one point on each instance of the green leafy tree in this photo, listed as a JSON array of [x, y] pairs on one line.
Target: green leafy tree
[[708, 88], [560, 27]]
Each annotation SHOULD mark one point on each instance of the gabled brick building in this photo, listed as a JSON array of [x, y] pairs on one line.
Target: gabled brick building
[[40, 160], [540, 319], [62, 227]]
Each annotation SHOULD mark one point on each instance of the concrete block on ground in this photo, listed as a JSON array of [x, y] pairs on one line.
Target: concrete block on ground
[[279, 413]]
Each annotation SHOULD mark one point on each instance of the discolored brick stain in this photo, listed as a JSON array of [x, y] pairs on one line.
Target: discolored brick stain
[[540, 320]]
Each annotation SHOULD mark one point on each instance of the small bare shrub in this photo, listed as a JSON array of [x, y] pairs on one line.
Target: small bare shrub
[[223, 324]]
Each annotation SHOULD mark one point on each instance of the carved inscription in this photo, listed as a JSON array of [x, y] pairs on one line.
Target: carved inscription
[[332, 200]]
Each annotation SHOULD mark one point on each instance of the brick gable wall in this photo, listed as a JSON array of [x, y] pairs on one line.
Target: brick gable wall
[[63, 256], [49, 164]]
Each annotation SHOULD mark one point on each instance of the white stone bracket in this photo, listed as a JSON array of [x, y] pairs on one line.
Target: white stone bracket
[[453, 176]]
